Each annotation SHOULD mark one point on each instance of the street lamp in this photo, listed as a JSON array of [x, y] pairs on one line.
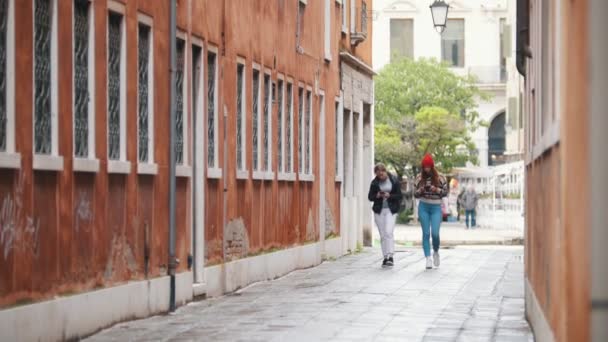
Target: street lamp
[[439, 11]]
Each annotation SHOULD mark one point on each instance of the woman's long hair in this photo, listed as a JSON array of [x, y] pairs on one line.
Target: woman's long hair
[[434, 176]]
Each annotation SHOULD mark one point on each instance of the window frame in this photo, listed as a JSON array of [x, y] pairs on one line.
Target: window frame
[[464, 46], [301, 116], [242, 173], [257, 170], [52, 161], [215, 172], [281, 91], [90, 163], [9, 158], [121, 165], [288, 174], [407, 19], [150, 167], [307, 143], [269, 171], [339, 143]]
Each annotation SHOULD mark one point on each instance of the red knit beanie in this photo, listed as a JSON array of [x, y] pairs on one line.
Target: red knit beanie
[[427, 161]]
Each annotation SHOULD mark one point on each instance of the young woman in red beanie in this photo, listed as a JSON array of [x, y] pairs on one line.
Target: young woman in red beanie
[[431, 188]]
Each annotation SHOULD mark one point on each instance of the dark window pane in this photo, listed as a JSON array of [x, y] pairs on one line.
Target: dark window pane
[[280, 126], [267, 108], [114, 56], [3, 47], [143, 115], [300, 129], [179, 100], [42, 74], [289, 127], [211, 134], [307, 133], [81, 78], [256, 116], [240, 69]]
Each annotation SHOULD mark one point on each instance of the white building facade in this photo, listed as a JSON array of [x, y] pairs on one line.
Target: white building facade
[[478, 40]]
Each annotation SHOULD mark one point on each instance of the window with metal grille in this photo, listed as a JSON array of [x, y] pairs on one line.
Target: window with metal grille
[[240, 120], [179, 100], [289, 129], [3, 74], [308, 133], [336, 138], [42, 76], [256, 118], [211, 110], [402, 38], [81, 78], [280, 127], [267, 109], [114, 98], [143, 94], [300, 129]]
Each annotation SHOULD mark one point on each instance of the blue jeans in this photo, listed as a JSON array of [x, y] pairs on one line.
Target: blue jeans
[[430, 216], [471, 214]]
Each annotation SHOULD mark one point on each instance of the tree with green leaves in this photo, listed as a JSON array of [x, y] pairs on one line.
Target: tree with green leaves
[[423, 107]]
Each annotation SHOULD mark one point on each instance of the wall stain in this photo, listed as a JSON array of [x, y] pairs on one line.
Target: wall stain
[[18, 231]]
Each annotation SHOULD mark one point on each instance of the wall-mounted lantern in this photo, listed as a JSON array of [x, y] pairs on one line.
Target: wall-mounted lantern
[[439, 11]]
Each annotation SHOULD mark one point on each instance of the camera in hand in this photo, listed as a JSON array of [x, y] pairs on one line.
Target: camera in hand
[[427, 188]]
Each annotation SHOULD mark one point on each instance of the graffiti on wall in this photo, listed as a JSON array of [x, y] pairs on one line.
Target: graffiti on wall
[[83, 215], [18, 231]]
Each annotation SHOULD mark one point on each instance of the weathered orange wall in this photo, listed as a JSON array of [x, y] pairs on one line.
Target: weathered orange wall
[[80, 231], [557, 200]]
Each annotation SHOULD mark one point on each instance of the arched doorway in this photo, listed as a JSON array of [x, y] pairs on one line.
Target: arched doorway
[[497, 140]]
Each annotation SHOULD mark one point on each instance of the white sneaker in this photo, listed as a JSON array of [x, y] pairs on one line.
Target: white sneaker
[[436, 259], [429, 263]]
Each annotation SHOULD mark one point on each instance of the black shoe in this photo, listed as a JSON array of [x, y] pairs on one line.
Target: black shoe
[[390, 262], [385, 262]]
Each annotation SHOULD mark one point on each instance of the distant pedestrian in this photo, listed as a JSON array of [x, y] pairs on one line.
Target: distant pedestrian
[[459, 203], [431, 188], [385, 192], [469, 202]]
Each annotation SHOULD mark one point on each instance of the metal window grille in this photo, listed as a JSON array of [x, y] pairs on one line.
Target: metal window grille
[[114, 60], [3, 56], [280, 126], [144, 114], [179, 101], [308, 136], [239, 116], [42, 72], [211, 134], [300, 130], [81, 78], [256, 97], [267, 108], [289, 127], [336, 137]]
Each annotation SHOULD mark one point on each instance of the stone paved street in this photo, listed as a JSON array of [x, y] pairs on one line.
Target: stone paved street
[[476, 295]]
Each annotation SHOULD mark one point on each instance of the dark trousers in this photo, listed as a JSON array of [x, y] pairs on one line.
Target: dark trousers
[[471, 214]]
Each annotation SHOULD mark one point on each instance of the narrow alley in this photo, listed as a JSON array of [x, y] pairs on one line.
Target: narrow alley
[[476, 294]]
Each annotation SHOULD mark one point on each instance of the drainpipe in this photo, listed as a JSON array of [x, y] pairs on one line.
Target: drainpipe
[[172, 135]]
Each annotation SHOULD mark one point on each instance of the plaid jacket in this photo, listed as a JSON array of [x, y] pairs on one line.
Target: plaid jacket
[[423, 185]]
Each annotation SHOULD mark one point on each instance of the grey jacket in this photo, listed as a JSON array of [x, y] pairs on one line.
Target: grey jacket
[[469, 200]]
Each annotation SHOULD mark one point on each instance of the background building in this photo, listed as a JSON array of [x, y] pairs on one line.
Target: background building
[[476, 41], [268, 167]]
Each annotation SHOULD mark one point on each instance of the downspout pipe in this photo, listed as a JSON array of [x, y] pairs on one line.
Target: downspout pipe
[[172, 262], [523, 36]]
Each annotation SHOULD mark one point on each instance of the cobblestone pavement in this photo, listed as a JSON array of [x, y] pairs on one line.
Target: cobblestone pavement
[[476, 295]]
